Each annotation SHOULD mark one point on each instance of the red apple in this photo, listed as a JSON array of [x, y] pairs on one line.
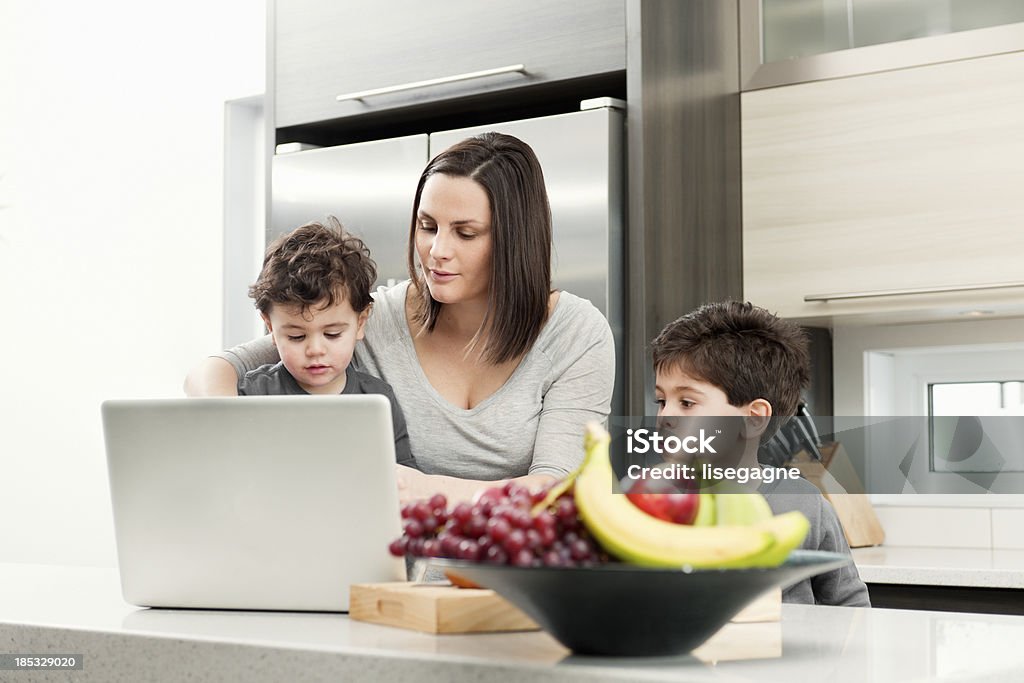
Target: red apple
[[676, 507]]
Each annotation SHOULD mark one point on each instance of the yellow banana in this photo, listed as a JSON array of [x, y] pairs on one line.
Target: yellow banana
[[634, 536], [740, 509], [789, 530], [705, 510]]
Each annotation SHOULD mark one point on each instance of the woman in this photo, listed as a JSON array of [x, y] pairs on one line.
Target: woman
[[496, 374]]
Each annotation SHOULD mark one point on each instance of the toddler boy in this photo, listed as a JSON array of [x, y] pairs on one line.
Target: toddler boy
[[314, 297], [735, 359]]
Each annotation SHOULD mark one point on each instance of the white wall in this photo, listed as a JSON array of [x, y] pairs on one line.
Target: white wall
[[111, 185]]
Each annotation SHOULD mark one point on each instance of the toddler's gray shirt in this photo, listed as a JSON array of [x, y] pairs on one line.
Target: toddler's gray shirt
[[275, 380]]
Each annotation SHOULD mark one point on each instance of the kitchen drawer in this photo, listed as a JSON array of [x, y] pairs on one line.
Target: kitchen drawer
[[324, 49], [892, 181]]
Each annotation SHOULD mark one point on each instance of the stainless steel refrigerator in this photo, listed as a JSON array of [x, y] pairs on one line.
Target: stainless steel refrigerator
[[370, 187]]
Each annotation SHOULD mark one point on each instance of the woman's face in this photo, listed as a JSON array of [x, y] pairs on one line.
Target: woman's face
[[453, 239]]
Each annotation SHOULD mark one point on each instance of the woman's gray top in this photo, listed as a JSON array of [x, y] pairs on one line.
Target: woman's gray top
[[533, 424]]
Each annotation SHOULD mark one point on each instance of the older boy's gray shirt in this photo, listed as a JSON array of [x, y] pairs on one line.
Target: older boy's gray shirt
[[275, 380], [533, 424], [838, 587]]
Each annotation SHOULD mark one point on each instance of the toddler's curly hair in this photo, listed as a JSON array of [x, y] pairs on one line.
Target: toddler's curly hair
[[317, 264]]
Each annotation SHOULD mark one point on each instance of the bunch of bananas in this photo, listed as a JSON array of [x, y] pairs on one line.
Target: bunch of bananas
[[735, 530]]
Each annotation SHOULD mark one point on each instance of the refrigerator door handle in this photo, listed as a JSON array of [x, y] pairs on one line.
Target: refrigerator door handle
[[512, 68]]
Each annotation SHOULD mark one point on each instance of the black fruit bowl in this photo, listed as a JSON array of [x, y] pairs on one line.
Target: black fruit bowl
[[626, 610]]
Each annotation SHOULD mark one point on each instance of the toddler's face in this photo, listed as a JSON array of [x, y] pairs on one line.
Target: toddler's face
[[316, 346]]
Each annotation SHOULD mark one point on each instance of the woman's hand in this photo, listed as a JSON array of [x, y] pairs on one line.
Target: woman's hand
[[414, 485], [212, 377]]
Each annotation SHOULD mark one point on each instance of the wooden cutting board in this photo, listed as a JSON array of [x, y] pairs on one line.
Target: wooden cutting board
[[768, 607], [434, 608]]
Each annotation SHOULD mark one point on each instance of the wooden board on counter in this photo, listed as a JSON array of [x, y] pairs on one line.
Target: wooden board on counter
[[435, 608], [768, 607]]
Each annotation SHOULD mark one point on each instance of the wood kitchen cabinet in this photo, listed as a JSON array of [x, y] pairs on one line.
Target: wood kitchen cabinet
[[891, 181], [322, 49]]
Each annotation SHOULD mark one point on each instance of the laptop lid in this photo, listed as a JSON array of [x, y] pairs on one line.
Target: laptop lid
[[258, 502]]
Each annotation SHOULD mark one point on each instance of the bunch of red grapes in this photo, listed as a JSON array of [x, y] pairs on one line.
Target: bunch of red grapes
[[499, 528]]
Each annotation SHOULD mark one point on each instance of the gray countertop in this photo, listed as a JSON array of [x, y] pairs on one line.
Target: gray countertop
[[966, 567], [74, 610]]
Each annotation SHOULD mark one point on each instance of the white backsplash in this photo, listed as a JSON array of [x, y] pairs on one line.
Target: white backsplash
[[952, 527], [1008, 528]]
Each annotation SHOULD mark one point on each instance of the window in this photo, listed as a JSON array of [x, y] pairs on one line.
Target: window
[[975, 398], [962, 440]]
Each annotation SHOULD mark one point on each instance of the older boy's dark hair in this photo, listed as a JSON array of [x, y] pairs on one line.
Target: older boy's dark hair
[[317, 263], [742, 349]]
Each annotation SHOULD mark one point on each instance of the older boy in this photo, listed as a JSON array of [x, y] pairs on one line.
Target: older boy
[[314, 297], [735, 359]]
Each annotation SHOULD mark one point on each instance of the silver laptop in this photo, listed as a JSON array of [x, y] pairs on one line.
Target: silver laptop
[[258, 502]]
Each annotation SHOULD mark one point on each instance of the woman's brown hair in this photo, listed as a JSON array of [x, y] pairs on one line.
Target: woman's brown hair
[[520, 285]]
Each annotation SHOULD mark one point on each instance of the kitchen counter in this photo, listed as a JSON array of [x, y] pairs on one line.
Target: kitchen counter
[[74, 610], [944, 579], [961, 567]]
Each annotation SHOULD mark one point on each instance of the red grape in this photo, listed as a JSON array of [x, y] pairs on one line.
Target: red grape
[[420, 510], [462, 513], [551, 558], [413, 528], [523, 558], [476, 526], [469, 550], [450, 545], [544, 520], [496, 555], [521, 519], [579, 550], [515, 542], [565, 512], [540, 494], [498, 528]]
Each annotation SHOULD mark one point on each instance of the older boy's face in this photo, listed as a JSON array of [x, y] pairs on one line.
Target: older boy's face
[[679, 394], [686, 404], [316, 345]]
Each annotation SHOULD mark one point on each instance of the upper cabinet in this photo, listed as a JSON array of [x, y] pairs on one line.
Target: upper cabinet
[[795, 41], [890, 193], [377, 56]]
